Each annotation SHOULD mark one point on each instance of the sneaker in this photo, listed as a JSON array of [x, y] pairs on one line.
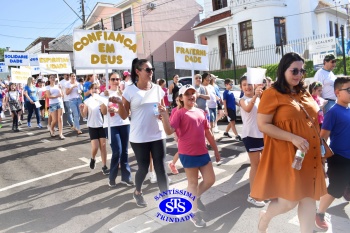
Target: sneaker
[[70, 125], [216, 129], [238, 138], [128, 183], [111, 183], [320, 221], [19, 122], [40, 126], [172, 168], [105, 170], [153, 178], [29, 124], [84, 119], [198, 220], [255, 202], [140, 201], [200, 205], [227, 135], [92, 163]]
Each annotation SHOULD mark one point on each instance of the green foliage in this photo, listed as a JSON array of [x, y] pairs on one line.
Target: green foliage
[[229, 73], [2, 50]]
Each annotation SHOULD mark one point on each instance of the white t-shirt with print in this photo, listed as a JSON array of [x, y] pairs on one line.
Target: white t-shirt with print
[[74, 93], [327, 79], [55, 90], [144, 125]]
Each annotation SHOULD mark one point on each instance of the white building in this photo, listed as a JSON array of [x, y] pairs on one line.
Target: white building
[[258, 25]]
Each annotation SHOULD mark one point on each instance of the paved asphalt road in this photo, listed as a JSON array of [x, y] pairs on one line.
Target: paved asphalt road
[[46, 185]]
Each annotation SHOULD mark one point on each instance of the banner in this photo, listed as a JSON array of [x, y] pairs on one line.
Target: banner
[[55, 63], [255, 75], [103, 49], [324, 45], [35, 69], [33, 60], [20, 75], [96, 71], [3, 68], [191, 56], [16, 59]]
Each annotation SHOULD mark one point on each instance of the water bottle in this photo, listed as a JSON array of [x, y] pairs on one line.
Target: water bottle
[[298, 160], [155, 109]]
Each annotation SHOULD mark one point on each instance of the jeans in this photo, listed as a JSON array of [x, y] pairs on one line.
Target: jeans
[[31, 108], [74, 106], [328, 106], [68, 111], [142, 153], [119, 146]]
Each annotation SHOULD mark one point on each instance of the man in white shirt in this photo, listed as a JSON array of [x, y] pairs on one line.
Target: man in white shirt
[[327, 78], [67, 109]]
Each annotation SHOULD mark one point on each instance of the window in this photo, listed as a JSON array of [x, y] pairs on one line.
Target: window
[[117, 22], [246, 34], [218, 4], [336, 30], [330, 28], [280, 31], [127, 18]]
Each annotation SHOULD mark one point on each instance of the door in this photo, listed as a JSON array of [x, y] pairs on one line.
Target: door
[[223, 50]]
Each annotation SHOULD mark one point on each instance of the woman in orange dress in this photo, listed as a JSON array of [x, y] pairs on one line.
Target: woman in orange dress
[[286, 128]]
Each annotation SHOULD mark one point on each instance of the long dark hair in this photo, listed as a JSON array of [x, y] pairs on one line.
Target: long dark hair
[[136, 64], [281, 84]]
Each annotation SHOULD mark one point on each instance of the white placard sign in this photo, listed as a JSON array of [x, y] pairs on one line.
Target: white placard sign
[[3, 68], [55, 63], [191, 56], [255, 75], [103, 49], [16, 59], [96, 71], [322, 45], [35, 69], [20, 75], [33, 60]]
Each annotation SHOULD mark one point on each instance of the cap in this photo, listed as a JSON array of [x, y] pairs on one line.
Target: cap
[[126, 73], [329, 57], [184, 88]]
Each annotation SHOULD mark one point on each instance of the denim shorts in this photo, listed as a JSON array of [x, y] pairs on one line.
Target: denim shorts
[[212, 114], [55, 106], [193, 161]]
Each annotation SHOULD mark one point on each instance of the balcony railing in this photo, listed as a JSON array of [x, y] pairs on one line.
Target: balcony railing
[[237, 3]]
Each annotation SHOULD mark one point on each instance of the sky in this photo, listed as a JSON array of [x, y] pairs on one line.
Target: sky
[[23, 21]]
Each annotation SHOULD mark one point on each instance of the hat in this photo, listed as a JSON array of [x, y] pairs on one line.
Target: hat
[[329, 57], [184, 88], [126, 73]]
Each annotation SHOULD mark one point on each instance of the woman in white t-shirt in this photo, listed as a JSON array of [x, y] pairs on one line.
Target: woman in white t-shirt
[[146, 130], [74, 97], [120, 130], [54, 94]]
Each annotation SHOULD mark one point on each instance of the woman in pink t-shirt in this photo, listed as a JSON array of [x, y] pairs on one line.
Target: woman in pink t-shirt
[[192, 127]]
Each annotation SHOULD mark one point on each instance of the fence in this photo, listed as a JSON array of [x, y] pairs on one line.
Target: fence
[[259, 56]]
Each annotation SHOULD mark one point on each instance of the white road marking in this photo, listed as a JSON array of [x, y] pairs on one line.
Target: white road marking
[[45, 141], [61, 149], [30, 134]]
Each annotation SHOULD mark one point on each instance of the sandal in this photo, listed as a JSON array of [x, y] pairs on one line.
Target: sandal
[[62, 137], [79, 132], [52, 134], [261, 214]]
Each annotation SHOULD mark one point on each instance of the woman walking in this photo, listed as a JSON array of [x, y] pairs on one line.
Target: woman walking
[[120, 130], [31, 94], [74, 97], [54, 94], [13, 100]]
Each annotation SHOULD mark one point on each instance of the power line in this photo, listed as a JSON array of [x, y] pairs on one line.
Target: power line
[[26, 38]]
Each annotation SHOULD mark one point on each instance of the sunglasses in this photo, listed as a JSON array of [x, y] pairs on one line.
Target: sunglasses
[[296, 71], [115, 79], [345, 89], [148, 70]]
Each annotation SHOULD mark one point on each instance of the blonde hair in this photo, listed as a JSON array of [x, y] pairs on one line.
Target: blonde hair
[[30, 81]]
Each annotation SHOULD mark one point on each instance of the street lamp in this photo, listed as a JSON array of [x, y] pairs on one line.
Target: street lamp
[[282, 23]]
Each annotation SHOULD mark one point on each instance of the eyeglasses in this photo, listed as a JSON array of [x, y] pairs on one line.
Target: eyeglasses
[[345, 89], [296, 71], [148, 70], [115, 79]]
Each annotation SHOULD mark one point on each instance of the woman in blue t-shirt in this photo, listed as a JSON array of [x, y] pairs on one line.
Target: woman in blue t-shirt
[[31, 94]]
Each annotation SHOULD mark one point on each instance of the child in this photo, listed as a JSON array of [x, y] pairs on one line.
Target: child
[[315, 90], [162, 85], [336, 125], [13, 100], [192, 127], [91, 110], [230, 108], [252, 137], [41, 95], [1, 112]]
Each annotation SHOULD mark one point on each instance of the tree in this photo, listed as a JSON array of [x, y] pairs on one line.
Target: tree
[[2, 50]]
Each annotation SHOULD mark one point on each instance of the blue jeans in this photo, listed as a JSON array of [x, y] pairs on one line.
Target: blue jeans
[[68, 112], [328, 106], [74, 106], [119, 145], [31, 108]]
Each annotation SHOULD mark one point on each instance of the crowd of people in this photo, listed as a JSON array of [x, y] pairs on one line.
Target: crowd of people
[[278, 121]]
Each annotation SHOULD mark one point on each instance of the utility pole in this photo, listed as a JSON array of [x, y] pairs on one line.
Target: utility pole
[[83, 12]]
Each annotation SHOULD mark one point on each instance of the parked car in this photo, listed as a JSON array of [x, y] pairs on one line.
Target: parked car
[[221, 84]]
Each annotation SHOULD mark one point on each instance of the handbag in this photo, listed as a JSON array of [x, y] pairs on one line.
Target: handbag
[[326, 151]]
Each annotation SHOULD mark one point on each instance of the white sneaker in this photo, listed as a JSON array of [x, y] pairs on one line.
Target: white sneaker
[[85, 119], [255, 202], [216, 129], [152, 177]]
